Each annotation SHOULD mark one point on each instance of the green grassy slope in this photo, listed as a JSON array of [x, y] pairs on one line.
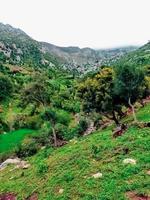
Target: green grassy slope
[[11, 140], [71, 168]]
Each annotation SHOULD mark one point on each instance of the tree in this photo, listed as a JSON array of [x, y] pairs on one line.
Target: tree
[[51, 116], [6, 87], [97, 94], [37, 92], [129, 85]]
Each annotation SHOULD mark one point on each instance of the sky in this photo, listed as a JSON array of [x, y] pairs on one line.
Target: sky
[[83, 23]]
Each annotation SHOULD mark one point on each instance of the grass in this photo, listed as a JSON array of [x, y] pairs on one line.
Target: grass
[[11, 140], [71, 168]]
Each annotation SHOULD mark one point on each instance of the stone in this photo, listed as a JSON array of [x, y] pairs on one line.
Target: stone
[[148, 172], [16, 161], [97, 175], [129, 161], [61, 191]]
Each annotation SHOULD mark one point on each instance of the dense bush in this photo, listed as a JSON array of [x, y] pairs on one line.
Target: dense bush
[[28, 148], [25, 121], [6, 87], [43, 139]]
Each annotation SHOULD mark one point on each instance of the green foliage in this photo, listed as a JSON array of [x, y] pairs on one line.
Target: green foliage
[[2, 57], [95, 151], [68, 177], [42, 168], [36, 92], [96, 92], [129, 82], [43, 138], [6, 87], [28, 148], [11, 140], [72, 167]]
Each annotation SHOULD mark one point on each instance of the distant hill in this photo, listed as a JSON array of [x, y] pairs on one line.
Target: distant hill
[[86, 59], [139, 57], [17, 48]]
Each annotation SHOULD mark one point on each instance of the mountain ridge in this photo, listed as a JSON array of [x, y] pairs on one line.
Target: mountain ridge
[[19, 48]]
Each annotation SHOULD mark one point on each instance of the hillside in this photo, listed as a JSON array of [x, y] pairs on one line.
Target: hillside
[[17, 48], [139, 57], [66, 134], [86, 59], [68, 172]]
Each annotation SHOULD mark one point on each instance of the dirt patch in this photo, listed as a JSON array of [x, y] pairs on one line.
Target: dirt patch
[[8, 196], [34, 196], [134, 196]]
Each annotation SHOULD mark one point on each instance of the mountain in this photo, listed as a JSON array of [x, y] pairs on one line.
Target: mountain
[[86, 59], [17, 48]]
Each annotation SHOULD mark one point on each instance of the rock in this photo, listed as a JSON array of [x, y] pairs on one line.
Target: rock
[[131, 195], [61, 191], [25, 166], [74, 141], [148, 172], [11, 178], [129, 161], [16, 161], [97, 175], [8, 196]]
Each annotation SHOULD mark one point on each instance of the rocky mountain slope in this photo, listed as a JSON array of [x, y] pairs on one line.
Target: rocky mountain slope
[[86, 59], [16, 47]]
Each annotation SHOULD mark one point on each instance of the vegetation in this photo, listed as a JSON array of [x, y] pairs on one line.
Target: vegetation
[[71, 167], [43, 107]]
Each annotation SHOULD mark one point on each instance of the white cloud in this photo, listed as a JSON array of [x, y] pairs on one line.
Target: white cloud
[[93, 23]]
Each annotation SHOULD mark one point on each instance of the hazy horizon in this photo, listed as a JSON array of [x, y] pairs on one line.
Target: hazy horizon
[[98, 24]]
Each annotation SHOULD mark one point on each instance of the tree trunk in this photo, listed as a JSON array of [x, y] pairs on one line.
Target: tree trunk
[[114, 118], [55, 137], [133, 110]]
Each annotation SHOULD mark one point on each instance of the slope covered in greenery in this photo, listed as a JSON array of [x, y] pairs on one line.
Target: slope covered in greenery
[[70, 169], [139, 57], [46, 110], [12, 139]]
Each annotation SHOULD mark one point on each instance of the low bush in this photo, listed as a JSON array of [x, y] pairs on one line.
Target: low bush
[[28, 148], [42, 168]]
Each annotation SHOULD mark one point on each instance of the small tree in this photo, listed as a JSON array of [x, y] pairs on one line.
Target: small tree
[[37, 92], [129, 83], [96, 93], [51, 116]]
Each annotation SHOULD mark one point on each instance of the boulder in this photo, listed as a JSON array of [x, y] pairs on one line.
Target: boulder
[[129, 161], [61, 191], [97, 175]]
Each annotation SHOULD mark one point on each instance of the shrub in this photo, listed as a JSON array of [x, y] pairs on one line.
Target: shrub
[[43, 139], [30, 122], [63, 117], [68, 177], [27, 148], [42, 168], [95, 151], [3, 126], [78, 130], [6, 87]]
